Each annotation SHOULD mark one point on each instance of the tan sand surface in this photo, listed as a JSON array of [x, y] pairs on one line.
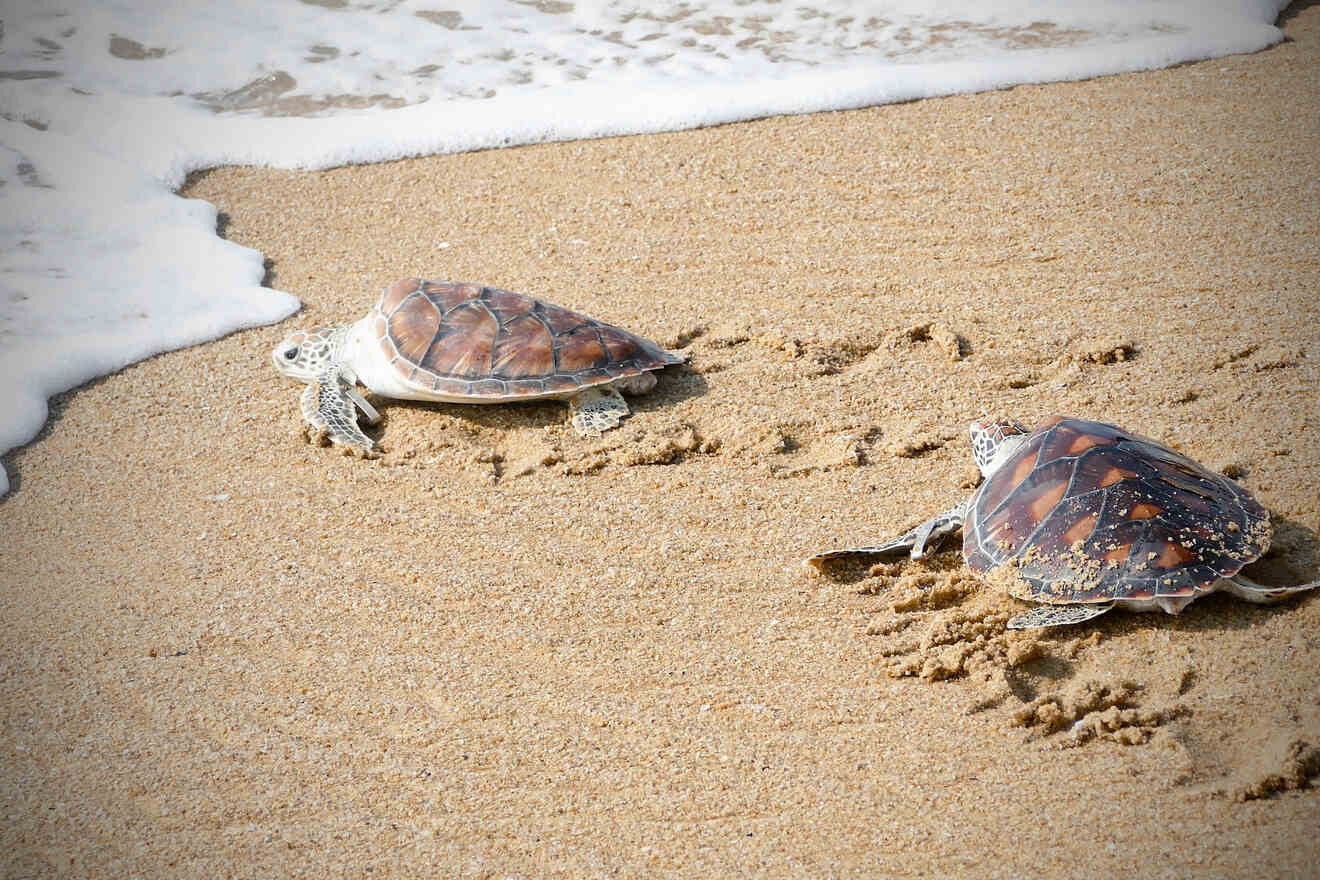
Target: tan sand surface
[[501, 650]]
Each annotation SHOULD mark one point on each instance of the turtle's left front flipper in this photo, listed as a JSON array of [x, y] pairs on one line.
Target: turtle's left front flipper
[[928, 533], [327, 408], [885, 549]]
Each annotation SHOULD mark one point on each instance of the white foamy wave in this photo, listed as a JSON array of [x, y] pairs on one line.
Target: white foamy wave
[[108, 104]]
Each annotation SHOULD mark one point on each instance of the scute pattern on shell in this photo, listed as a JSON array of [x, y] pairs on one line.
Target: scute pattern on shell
[[1088, 513], [466, 340]]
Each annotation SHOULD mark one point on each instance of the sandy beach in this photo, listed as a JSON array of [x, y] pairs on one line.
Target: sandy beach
[[502, 650]]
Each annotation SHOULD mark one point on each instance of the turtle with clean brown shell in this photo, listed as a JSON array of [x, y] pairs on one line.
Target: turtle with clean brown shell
[[1084, 517], [467, 343]]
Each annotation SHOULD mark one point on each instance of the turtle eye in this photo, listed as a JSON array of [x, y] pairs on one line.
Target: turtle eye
[[291, 353]]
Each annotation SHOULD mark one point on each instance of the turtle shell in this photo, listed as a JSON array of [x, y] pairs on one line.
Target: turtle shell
[[461, 340], [1087, 512]]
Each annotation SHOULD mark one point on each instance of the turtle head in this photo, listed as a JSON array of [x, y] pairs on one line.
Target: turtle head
[[304, 355], [994, 440]]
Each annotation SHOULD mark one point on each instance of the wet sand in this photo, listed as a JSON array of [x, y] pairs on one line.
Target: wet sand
[[503, 650]]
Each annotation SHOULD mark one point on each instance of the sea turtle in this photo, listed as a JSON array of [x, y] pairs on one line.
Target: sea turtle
[[466, 343], [1086, 516]]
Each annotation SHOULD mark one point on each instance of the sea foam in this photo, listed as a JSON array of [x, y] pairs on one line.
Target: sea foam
[[107, 105]]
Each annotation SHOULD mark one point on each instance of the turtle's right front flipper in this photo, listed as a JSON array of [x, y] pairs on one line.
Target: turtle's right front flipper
[[327, 408], [931, 530], [369, 411]]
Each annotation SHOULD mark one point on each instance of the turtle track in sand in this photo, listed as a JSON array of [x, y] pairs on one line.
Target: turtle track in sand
[[683, 416], [1064, 362], [1088, 686], [934, 620], [1172, 685], [815, 380], [490, 447]]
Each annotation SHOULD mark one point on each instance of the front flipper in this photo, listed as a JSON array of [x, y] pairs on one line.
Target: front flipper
[[931, 530], [373, 417], [597, 409], [327, 408], [1057, 615]]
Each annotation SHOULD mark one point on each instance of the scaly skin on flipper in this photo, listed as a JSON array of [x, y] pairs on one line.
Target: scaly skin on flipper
[[1057, 615], [932, 530], [597, 409], [327, 408]]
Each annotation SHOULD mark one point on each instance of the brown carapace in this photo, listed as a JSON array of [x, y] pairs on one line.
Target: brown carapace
[[469, 341]]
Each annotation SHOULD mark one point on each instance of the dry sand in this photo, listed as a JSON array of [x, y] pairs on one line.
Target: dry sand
[[505, 651]]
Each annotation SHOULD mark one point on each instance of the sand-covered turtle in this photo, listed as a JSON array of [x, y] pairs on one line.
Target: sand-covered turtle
[[1084, 516], [466, 343]]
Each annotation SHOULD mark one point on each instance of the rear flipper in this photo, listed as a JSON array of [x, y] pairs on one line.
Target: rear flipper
[[597, 409], [1057, 615], [930, 531], [1246, 588]]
